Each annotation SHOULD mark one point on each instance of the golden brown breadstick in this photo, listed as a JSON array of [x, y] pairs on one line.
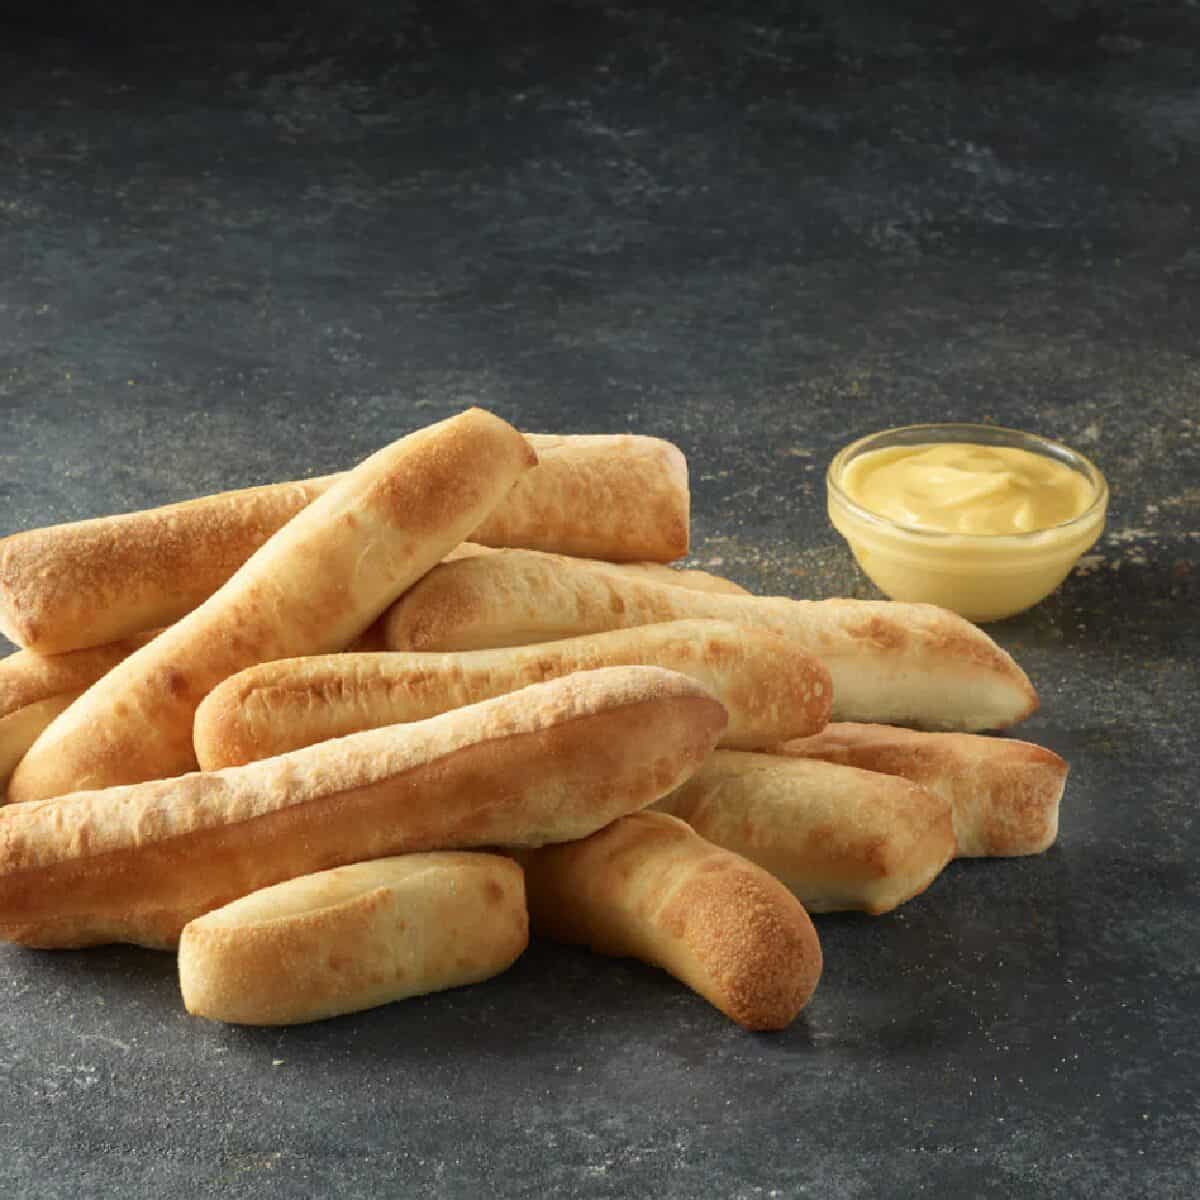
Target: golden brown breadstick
[[839, 837], [35, 688], [765, 682], [908, 663], [312, 588], [1004, 794], [648, 887], [554, 761], [355, 937], [91, 582], [610, 496]]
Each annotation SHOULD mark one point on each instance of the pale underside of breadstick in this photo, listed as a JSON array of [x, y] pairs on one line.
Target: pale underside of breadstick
[[890, 662], [554, 761], [91, 582], [1004, 793], [765, 682], [355, 937], [838, 837], [35, 688], [650, 888], [311, 589]]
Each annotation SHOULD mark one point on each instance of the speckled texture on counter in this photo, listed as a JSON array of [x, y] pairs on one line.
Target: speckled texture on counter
[[238, 246]]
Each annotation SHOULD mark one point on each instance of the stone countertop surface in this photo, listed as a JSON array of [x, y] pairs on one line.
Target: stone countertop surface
[[238, 246]]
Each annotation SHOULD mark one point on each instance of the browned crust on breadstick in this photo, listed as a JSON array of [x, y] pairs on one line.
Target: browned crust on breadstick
[[87, 583], [354, 937], [896, 663], [95, 582], [619, 497], [311, 589], [35, 688], [554, 761], [648, 887], [1004, 793], [839, 837], [766, 683]]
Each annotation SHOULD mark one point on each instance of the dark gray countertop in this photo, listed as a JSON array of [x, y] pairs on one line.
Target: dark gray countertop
[[240, 246]]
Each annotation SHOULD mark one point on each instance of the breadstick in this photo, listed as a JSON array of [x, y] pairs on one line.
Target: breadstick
[[765, 682], [354, 937], [904, 663], [35, 688], [92, 582], [699, 581], [609, 496], [551, 762], [648, 887], [839, 837], [312, 588], [20, 729], [1004, 794], [686, 577]]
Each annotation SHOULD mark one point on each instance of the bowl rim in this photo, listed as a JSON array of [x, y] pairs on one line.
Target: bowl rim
[[1076, 461]]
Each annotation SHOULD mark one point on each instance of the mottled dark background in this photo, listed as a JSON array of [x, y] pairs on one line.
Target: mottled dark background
[[247, 243]]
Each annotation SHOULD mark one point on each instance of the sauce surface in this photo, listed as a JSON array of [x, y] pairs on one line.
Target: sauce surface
[[961, 487]]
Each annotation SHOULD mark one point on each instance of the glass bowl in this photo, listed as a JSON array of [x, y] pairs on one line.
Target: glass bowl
[[983, 577]]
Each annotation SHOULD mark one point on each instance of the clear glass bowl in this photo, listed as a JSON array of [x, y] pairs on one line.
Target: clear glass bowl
[[983, 577]]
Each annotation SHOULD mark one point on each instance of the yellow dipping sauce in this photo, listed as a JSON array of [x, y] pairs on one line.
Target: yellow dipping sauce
[[984, 528], [957, 487]]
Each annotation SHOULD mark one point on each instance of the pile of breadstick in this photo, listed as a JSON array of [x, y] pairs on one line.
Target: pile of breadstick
[[347, 740]]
